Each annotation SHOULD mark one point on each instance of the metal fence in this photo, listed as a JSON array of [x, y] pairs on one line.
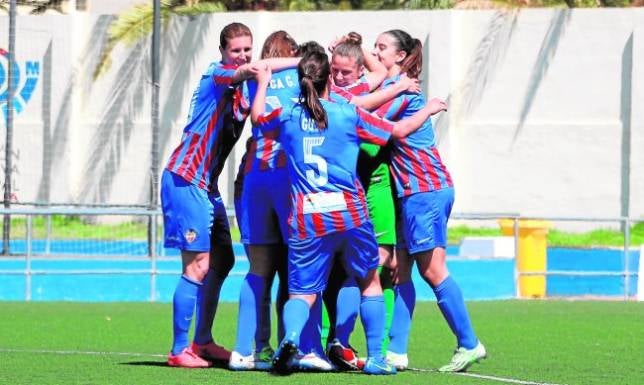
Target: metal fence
[[37, 241]]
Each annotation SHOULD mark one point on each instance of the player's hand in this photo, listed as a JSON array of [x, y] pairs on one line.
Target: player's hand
[[263, 74], [436, 105], [409, 84]]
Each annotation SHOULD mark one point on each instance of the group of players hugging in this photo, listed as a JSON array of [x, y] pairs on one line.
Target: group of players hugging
[[340, 191]]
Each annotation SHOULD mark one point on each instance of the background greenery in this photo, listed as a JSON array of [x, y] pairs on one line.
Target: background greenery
[[74, 227]]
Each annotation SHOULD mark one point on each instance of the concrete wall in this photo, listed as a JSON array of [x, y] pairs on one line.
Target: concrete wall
[[543, 116]]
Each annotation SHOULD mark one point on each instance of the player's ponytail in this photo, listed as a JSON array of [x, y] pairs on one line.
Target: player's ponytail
[[412, 64], [314, 71]]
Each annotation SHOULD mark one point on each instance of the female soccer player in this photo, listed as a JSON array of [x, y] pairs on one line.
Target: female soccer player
[[321, 140], [351, 84], [194, 216], [425, 195], [262, 215]]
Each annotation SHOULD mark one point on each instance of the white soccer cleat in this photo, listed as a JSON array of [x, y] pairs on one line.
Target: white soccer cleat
[[250, 362], [400, 361], [311, 362], [463, 358]]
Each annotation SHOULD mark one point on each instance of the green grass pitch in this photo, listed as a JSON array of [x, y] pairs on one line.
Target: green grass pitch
[[528, 342]]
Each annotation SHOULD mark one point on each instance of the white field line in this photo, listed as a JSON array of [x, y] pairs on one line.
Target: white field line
[[486, 377], [80, 352]]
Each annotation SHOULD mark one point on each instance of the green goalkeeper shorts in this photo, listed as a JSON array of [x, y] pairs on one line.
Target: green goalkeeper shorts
[[380, 202]]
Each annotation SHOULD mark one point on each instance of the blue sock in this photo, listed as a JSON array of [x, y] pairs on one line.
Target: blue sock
[[372, 312], [310, 339], [207, 301], [296, 313], [183, 307], [401, 323], [348, 305], [452, 305], [250, 298]]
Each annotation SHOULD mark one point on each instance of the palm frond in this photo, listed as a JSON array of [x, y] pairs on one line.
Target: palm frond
[[199, 8]]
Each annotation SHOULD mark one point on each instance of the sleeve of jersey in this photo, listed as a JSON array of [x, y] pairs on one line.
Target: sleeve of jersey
[[270, 122], [223, 74], [241, 104], [393, 109], [373, 129]]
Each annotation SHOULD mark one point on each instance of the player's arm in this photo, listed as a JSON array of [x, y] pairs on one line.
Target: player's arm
[[404, 127], [377, 98], [258, 108], [377, 71], [249, 70]]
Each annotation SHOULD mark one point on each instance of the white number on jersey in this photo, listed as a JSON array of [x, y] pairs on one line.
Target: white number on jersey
[[308, 143]]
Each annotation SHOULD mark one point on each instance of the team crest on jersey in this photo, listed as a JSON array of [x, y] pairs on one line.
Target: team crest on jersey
[[191, 235]]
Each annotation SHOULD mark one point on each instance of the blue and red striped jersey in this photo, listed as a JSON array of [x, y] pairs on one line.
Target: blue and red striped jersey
[[344, 94], [266, 153], [326, 194], [415, 162], [212, 130]]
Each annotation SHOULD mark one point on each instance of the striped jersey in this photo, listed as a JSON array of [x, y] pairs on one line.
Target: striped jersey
[[266, 152], [211, 131], [415, 162], [373, 160], [344, 94], [326, 195]]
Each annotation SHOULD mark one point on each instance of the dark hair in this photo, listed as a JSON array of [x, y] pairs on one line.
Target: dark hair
[[309, 47], [314, 71], [351, 48], [279, 44], [231, 31], [412, 65]]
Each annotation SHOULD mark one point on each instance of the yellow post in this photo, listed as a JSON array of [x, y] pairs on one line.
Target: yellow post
[[530, 254]]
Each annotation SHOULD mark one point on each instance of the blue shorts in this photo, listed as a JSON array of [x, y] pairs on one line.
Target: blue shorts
[[192, 218], [265, 207], [422, 220], [310, 260]]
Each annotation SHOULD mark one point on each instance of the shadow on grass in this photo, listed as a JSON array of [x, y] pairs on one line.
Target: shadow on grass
[[215, 364]]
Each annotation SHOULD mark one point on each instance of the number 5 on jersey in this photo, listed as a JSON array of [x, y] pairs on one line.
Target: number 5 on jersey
[[322, 177]]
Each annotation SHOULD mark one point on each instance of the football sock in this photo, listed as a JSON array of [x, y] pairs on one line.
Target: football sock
[[401, 323], [248, 319], [388, 294], [296, 313], [348, 305], [183, 307], [263, 334], [310, 340], [207, 301], [452, 305], [372, 312]]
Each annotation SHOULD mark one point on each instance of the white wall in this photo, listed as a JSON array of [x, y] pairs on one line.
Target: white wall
[[540, 103]]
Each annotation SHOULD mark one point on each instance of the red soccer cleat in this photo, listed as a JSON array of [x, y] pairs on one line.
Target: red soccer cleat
[[187, 359], [211, 351]]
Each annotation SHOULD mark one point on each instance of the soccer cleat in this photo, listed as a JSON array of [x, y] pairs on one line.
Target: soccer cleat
[[250, 362], [463, 358], [400, 361], [283, 356], [211, 352], [378, 366], [343, 358], [311, 362], [264, 358], [187, 359]]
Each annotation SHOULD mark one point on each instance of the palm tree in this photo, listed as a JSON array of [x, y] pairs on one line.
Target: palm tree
[[136, 24]]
